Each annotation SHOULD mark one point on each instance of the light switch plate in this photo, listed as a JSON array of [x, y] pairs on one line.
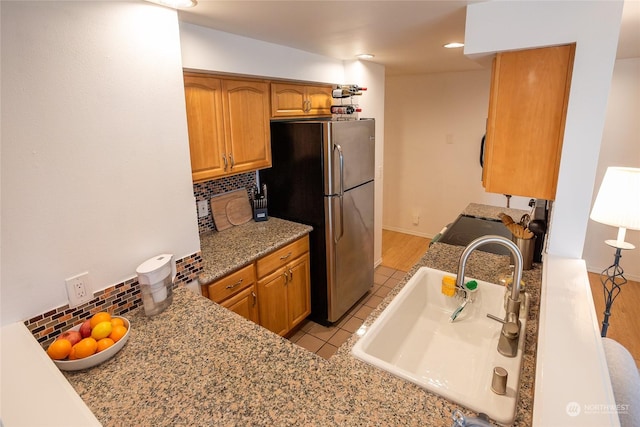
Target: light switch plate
[[203, 208]]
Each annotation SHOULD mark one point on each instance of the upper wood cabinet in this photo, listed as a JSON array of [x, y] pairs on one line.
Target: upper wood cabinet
[[293, 100], [228, 123], [525, 128]]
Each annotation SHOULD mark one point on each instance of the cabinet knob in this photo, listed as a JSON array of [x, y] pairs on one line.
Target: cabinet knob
[[224, 159]]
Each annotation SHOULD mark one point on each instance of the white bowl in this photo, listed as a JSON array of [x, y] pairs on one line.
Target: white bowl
[[98, 358]]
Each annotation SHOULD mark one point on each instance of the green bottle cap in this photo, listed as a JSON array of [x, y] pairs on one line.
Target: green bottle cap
[[472, 285]]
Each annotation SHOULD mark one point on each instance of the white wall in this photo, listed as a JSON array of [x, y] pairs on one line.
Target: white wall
[[95, 160], [434, 126], [620, 147], [594, 26], [212, 50]]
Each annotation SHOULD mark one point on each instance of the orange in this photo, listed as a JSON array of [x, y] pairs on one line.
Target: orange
[[117, 333], [102, 316], [59, 349], [104, 344], [102, 330], [72, 354], [116, 321], [85, 348]]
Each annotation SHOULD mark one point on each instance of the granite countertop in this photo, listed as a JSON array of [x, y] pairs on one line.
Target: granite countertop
[[491, 212], [200, 364], [228, 250]]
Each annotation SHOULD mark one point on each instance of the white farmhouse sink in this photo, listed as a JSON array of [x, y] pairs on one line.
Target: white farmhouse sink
[[414, 340]]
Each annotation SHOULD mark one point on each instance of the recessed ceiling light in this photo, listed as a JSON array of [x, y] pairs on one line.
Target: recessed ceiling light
[[175, 4], [365, 56], [453, 45]]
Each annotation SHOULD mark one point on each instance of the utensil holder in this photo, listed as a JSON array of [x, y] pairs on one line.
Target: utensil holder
[[527, 247]]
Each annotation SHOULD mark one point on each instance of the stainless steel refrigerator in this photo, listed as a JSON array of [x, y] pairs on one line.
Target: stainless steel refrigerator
[[323, 176]]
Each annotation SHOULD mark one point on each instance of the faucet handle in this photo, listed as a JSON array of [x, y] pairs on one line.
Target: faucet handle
[[510, 327]]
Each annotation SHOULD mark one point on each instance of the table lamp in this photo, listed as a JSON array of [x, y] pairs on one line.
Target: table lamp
[[617, 204]]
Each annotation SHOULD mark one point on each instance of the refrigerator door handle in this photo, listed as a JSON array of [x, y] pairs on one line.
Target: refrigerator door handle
[[341, 192]]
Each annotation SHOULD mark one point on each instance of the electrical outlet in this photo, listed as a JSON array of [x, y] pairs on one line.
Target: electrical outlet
[[78, 289], [203, 208]]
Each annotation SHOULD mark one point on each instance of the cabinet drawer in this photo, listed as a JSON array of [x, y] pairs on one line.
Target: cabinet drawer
[[282, 256], [231, 284]]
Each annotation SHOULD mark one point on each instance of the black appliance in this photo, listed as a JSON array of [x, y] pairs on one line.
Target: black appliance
[[466, 229]]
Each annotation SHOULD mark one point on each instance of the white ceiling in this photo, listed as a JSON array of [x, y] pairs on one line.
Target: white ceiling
[[405, 36]]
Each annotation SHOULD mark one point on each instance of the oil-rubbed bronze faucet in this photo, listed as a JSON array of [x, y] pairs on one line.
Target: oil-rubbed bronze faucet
[[508, 342]]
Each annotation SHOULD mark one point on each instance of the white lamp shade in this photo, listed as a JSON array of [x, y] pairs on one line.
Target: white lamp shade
[[618, 200]]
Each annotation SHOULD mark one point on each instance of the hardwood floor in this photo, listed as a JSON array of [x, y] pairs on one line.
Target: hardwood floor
[[401, 251], [624, 322]]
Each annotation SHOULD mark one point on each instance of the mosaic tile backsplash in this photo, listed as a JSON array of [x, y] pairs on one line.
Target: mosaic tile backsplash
[[205, 190], [117, 300]]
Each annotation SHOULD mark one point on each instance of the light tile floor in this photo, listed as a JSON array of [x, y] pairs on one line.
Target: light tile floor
[[324, 341]]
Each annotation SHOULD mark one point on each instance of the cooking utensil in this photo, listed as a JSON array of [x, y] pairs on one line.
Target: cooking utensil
[[516, 228], [506, 219]]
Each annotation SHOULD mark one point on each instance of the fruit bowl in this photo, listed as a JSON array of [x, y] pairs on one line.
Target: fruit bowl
[[98, 358]]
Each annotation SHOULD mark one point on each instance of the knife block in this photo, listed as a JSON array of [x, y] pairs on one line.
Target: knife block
[[260, 210]]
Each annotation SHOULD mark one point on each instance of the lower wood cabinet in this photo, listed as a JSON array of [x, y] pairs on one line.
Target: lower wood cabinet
[[279, 299], [237, 292], [245, 303], [284, 296]]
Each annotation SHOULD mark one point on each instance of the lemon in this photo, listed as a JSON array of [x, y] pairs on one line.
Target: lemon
[[101, 330]]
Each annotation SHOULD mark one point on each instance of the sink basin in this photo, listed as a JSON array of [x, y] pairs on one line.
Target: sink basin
[[414, 340]]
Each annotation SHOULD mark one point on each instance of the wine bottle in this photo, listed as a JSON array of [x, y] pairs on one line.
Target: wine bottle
[[354, 88], [342, 109], [345, 91]]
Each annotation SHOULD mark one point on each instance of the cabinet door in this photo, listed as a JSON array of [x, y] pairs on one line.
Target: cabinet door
[[203, 96], [525, 129], [287, 100], [319, 100], [248, 137], [298, 291], [273, 302], [244, 303]]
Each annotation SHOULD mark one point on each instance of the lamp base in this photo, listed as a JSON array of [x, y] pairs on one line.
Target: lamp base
[[612, 279]]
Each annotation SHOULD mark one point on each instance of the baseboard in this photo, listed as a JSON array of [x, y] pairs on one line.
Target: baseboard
[[411, 232], [598, 270]]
